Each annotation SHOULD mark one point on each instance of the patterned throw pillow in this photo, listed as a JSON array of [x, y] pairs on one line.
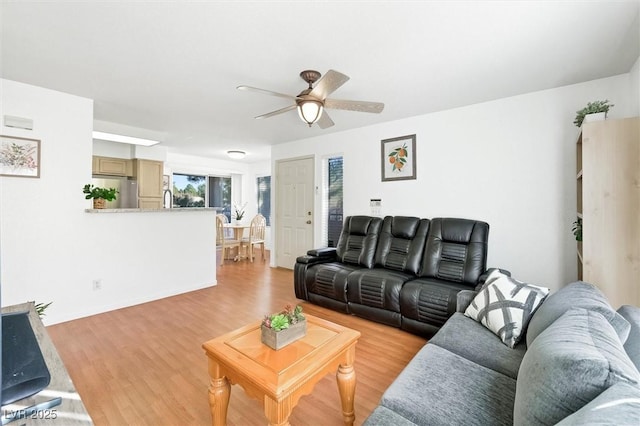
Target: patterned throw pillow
[[505, 305]]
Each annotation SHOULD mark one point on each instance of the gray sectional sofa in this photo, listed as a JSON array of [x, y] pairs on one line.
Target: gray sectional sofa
[[577, 364]]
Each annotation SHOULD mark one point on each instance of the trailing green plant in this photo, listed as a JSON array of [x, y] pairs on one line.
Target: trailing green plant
[[592, 108], [282, 320], [577, 229], [41, 307], [108, 194]]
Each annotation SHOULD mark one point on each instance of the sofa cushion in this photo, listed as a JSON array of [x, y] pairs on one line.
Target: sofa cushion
[[632, 345], [377, 287], [575, 295], [401, 243], [471, 340], [439, 387], [429, 300], [505, 305], [329, 279], [456, 250], [619, 405], [570, 363], [358, 240], [382, 416]]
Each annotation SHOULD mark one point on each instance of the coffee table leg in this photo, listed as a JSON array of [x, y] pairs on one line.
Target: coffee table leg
[[277, 413], [346, 377], [219, 390]]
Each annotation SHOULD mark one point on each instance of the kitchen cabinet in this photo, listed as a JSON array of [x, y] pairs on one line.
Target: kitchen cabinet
[[108, 166], [149, 173]]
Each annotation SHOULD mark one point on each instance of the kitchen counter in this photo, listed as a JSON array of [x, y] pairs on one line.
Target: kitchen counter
[[173, 210]]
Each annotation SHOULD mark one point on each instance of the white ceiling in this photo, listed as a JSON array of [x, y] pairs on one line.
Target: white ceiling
[[172, 67]]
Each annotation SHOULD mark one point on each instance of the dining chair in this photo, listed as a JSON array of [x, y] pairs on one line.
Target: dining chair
[[228, 232], [256, 235], [224, 244]]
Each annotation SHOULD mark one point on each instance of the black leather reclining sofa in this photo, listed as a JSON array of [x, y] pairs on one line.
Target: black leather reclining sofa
[[401, 271]]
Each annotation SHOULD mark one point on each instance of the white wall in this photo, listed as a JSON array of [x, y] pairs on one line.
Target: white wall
[[52, 250], [509, 162], [634, 76]]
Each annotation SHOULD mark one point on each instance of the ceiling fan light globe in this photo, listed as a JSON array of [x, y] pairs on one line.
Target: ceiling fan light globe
[[310, 111]]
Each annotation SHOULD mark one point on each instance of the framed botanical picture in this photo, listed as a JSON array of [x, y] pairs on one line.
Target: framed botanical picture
[[165, 182], [19, 157], [399, 158]]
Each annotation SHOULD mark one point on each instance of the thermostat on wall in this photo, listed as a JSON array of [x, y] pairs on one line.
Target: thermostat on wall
[[376, 206]]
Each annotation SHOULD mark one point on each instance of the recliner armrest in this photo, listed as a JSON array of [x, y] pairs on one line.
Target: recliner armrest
[[323, 252], [311, 258]]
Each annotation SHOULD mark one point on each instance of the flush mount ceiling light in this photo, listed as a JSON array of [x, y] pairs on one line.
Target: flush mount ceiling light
[[236, 155], [112, 137]]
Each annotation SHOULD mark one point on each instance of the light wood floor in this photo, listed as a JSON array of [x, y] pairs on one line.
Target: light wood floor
[[144, 365]]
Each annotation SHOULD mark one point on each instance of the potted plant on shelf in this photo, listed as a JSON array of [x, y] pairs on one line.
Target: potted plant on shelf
[[282, 328], [577, 229], [595, 107], [99, 195]]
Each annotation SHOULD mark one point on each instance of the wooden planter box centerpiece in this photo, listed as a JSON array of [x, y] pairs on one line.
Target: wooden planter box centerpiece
[[282, 328]]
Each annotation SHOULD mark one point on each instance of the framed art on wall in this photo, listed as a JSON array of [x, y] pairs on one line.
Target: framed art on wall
[[398, 158], [19, 157]]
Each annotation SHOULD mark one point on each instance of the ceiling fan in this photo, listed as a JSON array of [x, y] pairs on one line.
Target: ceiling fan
[[311, 102]]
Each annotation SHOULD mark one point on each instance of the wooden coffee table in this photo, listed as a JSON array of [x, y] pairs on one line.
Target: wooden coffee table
[[280, 378]]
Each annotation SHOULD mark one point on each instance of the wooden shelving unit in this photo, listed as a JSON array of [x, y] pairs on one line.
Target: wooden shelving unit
[[579, 198], [608, 202]]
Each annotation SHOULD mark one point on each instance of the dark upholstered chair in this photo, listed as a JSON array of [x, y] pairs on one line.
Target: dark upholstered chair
[[326, 283], [455, 256], [375, 293]]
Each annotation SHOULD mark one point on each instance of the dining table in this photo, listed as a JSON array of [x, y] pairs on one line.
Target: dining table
[[238, 234]]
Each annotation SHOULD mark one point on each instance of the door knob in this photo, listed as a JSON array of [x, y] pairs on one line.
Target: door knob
[[308, 222]]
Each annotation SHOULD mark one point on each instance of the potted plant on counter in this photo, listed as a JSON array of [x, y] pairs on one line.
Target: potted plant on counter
[[99, 195]]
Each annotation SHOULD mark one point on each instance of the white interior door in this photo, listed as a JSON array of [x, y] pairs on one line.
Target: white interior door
[[294, 210]]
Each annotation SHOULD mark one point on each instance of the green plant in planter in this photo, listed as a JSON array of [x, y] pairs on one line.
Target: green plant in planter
[[577, 229], [41, 307], [97, 192], [592, 108], [282, 320]]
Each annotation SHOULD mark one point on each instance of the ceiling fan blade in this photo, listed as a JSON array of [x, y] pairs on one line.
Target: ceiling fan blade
[[328, 84], [325, 121], [362, 106], [272, 113], [266, 92]]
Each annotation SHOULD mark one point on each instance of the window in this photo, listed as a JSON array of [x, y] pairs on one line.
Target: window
[[220, 194], [332, 201], [264, 197], [188, 190]]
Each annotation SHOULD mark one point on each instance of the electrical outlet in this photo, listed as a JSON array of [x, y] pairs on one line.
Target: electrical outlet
[[97, 284]]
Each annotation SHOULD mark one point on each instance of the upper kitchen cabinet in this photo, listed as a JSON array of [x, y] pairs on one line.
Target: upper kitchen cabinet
[[149, 176], [108, 166]]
